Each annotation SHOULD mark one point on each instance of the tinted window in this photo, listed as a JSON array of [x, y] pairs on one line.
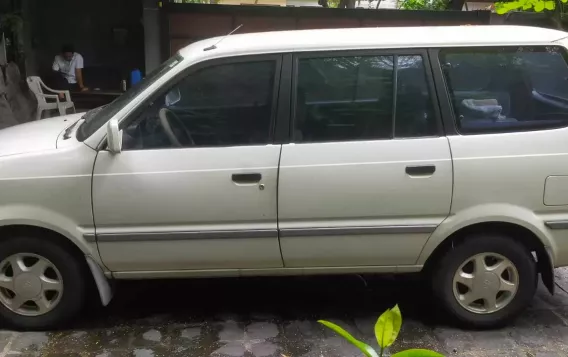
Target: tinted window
[[99, 116], [507, 89], [224, 105], [414, 112], [351, 98]]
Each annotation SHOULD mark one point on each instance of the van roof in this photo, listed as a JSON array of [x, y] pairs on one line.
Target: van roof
[[371, 38]]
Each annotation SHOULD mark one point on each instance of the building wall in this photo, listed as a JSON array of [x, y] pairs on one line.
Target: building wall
[[187, 23], [105, 32]]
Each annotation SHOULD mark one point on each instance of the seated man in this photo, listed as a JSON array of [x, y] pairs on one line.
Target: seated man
[[69, 68]]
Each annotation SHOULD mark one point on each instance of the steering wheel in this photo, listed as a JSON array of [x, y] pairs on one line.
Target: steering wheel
[[166, 116]]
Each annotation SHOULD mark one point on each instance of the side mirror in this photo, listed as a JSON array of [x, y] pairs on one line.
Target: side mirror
[[173, 97], [114, 137]]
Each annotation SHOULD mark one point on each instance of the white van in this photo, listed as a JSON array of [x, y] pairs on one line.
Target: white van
[[441, 150]]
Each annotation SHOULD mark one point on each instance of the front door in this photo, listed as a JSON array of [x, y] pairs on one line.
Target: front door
[[195, 185], [369, 175]]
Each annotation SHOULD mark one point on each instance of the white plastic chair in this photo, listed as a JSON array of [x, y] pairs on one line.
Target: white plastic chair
[[37, 87]]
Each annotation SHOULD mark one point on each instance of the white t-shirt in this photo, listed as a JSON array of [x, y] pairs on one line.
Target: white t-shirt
[[68, 67]]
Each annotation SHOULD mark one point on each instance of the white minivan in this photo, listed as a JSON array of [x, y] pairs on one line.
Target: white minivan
[[440, 150]]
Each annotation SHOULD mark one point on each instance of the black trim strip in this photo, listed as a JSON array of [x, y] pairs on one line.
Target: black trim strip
[[394, 92], [442, 94], [90, 237], [311, 232], [557, 224], [268, 233], [282, 131], [169, 236]]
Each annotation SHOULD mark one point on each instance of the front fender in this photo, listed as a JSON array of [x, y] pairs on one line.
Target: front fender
[[35, 216]]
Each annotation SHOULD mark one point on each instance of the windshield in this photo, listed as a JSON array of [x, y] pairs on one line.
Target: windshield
[[97, 117]]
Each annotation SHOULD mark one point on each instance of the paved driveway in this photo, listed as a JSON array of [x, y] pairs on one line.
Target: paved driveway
[[275, 317]]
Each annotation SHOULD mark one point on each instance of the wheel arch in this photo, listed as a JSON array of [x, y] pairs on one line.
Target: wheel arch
[[88, 262], [522, 234]]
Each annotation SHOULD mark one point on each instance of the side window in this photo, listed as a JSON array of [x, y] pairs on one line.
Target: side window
[[414, 111], [222, 105], [352, 98], [507, 89]]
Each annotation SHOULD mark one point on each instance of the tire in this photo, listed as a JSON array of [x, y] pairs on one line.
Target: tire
[[489, 249], [69, 272]]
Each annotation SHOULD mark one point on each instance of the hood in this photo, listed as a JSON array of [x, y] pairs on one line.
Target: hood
[[34, 136]]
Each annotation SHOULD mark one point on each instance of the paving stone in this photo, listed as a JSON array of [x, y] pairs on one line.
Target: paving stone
[[143, 352], [152, 335], [265, 349], [303, 329], [561, 278], [5, 337], [262, 330], [539, 329], [231, 349], [29, 342], [493, 340], [338, 346], [414, 334], [493, 353], [145, 337], [549, 354], [453, 340], [231, 331]]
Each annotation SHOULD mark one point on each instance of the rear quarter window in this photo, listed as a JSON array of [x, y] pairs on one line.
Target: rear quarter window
[[507, 89]]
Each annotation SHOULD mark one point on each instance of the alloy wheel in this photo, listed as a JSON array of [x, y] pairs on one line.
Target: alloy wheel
[[485, 283], [30, 284]]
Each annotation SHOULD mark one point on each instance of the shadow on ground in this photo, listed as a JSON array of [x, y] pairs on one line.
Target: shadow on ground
[[275, 317], [283, 298]]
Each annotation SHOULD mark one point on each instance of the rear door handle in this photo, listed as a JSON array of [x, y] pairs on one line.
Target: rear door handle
[[422, 170], [247, 178]]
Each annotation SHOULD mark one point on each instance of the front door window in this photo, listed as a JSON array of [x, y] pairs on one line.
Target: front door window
[[222, 105]]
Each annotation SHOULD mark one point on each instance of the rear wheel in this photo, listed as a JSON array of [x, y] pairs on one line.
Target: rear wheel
[[41, 284], [486, 280]]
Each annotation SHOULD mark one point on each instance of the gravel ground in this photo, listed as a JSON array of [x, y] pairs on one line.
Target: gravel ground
[[277, 317]]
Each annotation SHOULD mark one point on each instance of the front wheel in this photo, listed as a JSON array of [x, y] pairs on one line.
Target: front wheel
[[42, 284], [486, 280]]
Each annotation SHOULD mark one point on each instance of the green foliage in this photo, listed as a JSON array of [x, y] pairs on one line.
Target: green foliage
[[386, 331], [388, 326], [526, 5], [366, 349], [424, 4]]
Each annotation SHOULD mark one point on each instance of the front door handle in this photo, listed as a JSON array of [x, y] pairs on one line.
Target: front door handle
[[421, 170], [247, 178]]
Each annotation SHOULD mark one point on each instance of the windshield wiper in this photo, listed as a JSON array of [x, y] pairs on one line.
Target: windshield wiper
[[87, 116], [91, 113], [67, 133]]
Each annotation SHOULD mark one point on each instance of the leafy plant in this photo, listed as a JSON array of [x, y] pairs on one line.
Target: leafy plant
[[424, 4], [526, 5], [387, 328]]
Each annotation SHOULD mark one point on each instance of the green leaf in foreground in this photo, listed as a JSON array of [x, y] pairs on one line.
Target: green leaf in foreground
[[366, 349], [417, 353], [388, 326]]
